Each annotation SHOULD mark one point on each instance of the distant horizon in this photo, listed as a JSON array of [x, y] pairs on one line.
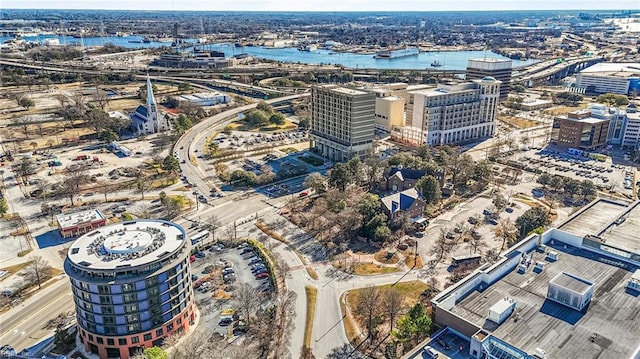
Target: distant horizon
[[323, 6]]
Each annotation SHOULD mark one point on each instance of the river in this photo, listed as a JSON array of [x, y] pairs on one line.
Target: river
[[450, 60]]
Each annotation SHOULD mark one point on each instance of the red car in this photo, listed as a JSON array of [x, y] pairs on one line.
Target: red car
[[262, 275], [192, 259], [303, 194]]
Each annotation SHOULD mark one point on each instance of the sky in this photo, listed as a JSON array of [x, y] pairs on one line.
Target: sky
[[321, 5]]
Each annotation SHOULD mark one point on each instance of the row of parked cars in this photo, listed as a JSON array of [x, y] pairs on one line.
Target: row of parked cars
[[257, 267]]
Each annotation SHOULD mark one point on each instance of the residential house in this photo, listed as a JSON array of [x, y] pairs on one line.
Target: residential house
[[409, 201]]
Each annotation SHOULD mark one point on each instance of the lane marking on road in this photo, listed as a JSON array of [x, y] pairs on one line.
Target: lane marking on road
[[48, 304]]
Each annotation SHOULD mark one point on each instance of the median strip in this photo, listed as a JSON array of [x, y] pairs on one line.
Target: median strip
[[312, 295]]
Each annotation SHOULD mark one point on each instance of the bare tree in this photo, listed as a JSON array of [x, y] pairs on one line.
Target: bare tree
[[196, 345], [142, 183], [106, 187], [40, 126], [23, 123], [37, 271], [368, 307], [247, 300], [212, 224], [392, 305], [70, 185], [507, 231], [441, 247], [62, 99], [284, 314]]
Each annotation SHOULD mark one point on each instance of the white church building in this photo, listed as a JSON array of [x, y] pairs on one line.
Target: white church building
[[146, 119]]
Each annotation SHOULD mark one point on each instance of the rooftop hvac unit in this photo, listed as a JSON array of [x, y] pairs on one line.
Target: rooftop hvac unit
[[540, 353], [542, 248], [539, 267], [552, 256], [500, 311], [522, 268]]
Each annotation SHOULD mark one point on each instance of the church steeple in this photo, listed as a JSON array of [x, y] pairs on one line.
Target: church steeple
[[152, 108], [151, 100]]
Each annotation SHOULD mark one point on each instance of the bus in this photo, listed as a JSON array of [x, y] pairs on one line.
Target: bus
[[199, 237], [465, 260]]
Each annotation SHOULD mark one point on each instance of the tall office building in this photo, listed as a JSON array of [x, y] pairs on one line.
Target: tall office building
[[500, 69], [131, 286], [457, 113], [342, 122]]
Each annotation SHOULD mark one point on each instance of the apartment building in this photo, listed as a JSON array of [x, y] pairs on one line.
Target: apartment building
[[500, 69], [131, 286], [457, 113], [342, 122]]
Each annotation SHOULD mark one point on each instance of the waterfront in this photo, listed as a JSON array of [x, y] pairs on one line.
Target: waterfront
[[450, 60]]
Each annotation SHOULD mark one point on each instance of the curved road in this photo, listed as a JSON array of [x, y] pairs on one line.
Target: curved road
[[196, 170]]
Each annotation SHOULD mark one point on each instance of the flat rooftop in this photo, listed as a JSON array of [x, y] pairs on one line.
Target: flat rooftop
[[562, 332], [593, 218], [127, 244], [613, 68], [624, 232], [74, 219], [571, 282], [348, 91]]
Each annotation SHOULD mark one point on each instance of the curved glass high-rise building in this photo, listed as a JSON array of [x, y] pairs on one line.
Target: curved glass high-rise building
[[131, 286]]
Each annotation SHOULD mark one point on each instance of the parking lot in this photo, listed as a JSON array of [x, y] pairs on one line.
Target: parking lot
[[603, 174], [217, 272], [447, 344], [247, 140], [462, 216]]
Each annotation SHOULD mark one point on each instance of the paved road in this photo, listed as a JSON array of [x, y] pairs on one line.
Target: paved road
[[23, 326], [198, 171]]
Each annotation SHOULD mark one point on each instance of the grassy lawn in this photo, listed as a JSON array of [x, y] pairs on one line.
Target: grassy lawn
[[372, 269], [410, 292], [312, 160], [350, 327], [312, 295], [519, 122], [382, 256], [312, 273], [14, 269], [409, 261]]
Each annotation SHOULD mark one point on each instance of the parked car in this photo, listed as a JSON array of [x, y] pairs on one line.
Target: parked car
[[262, 275], [224, 322], [473, 220], [509, 210]]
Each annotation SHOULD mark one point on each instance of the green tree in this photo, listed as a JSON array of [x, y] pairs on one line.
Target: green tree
[[369, 206], [26, 102], [265, 107], [531, 219], [304, 123], [612, 99], [381, 234], [414, 326], [517, 88], [171, 164], [257, 118], [571, 186], [184, 87], [155, 353], [430, 189], [544, 179], [587, 188], [277, 119], [242, 177], [340, 176], [4, 207]]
